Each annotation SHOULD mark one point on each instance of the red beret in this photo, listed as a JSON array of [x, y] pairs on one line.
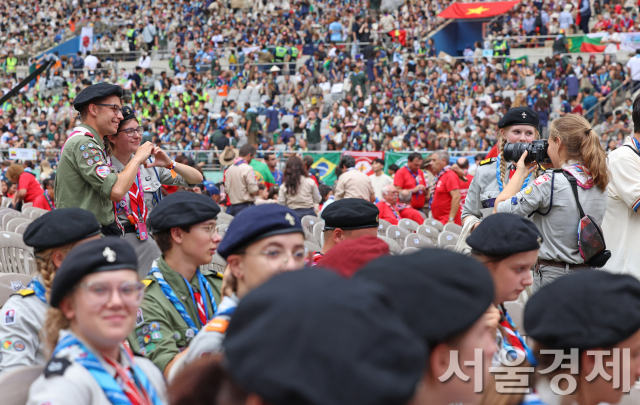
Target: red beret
[[351, 255]]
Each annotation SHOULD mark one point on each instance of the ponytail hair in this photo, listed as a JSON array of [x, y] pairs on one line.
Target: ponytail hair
[[581, 143], [502, 141]]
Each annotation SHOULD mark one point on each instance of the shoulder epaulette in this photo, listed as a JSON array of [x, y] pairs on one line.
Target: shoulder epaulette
[[56, 366], [147, 282], [24, 292], [219, 275], [487, 161]]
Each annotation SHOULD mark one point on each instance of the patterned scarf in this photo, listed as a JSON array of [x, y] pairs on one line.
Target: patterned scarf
[[581, 173]]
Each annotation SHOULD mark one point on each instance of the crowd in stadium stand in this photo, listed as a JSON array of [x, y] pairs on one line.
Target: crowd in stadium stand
[[394, 97]]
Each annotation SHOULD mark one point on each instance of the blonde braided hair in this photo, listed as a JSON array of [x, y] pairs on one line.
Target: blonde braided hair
[[503, 141], [47, 268], [53, 324]]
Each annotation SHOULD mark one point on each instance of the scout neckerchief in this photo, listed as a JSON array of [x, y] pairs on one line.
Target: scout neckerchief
[[238, 161], [500, 186], [114, 392], [171, 296], [38, 288], [138, 214], [514, 342], [580, 172], [51, 204], [393, 210], [435, 182]]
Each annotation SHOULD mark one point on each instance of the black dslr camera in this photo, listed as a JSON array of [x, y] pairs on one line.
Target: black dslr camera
[[537, 151]]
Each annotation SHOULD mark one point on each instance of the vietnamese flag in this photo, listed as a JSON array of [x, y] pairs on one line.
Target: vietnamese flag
[[263, 174], [401, 35], [477, 10]]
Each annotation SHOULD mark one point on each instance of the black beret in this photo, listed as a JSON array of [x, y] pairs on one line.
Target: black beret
[[95, 92], [584, 310], [105, 254], [519, 116], [128, 113], [350, 213], [452, 289], [182, 209], [489, 237], [59, 227], [256, 223], [300, 336]]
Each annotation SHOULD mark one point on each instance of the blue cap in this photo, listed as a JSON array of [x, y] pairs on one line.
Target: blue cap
[[256, 223], [211, 188]]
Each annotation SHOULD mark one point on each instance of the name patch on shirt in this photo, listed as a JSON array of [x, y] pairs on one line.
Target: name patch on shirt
[[10, 317]]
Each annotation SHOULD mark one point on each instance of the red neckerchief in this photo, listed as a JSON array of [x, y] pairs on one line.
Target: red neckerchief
[[200, 307], [136, 394]]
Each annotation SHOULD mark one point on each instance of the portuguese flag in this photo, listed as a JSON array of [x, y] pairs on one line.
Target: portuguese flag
[[587, 43], [263, 174]]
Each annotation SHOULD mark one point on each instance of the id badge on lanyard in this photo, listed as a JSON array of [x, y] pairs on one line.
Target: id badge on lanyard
[[142, 226]]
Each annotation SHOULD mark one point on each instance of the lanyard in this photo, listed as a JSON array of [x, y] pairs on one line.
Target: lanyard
[[38, 288], [500, 185], [51, 205], [84, 357]]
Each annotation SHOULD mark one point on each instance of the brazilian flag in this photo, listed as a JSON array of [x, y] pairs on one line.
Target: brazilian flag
[[325, 164]]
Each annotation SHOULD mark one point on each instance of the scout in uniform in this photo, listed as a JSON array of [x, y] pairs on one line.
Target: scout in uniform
[[240, 180], [51, 236], [519, 124], [94, 299], [347, 219], [550, 200], [509, 256], [585, 311], [84, 179], [179, 298], [443, 296], [260, 243], [134, 208], [291, 342]]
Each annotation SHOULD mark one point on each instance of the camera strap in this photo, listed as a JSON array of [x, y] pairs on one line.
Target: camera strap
[[553, 178]]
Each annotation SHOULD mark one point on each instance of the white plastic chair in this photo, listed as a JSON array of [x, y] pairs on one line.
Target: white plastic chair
[[15, 256], [10, 283], [447, 239], [13, 223], [455, 228], [408, 224], [15, 384], [417, 241]]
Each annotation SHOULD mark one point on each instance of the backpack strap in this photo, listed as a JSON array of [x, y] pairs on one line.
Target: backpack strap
[[574, 188]]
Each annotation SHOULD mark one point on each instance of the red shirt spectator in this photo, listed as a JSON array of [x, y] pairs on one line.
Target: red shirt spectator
[[464, 189], [46, 200], [447, 190], [28, 187], [391, 211], [411, 178]]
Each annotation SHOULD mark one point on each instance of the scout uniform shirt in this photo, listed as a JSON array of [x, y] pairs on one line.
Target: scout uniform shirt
[[83, 178], [353, 184], [66, 381], [161, 332], [22, 319]]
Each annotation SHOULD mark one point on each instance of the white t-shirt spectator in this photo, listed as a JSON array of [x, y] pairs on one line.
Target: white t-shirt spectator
[[634, 66], [144, 62], [91, 62]]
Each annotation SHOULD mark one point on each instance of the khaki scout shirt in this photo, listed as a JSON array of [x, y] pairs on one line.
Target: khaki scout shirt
[[240, 183], [353, 184], [84, 179], [160, 329], [72, 384]]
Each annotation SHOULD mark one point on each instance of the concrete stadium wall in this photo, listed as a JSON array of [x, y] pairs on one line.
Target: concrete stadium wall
[[69, 47]]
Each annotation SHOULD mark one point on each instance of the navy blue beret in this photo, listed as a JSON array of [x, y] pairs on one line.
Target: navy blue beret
[[105, 254], [351, 213], [258, 222], [519, 116], [490, 238], [95, 92], [454, 290], [584, 310], [59, 227], [182, 209], [356, 349], [127, 113]]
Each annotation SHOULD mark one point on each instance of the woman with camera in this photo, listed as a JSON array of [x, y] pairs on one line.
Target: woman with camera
[[519, 125], [551, 200]]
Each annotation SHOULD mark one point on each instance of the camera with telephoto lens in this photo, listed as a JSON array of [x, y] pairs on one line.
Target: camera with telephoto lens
[[537, 151]]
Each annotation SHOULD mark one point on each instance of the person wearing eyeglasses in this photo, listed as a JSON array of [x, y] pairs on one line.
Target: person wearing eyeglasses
[[260, 243], [84, 179], [135, 207], [94, 302], [51, 236], [180, 298]]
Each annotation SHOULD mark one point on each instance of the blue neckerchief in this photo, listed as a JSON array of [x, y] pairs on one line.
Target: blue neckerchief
[[500, 185], [530, 357], [171, 296], [38, 288], [109, 385], [635, 142]]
